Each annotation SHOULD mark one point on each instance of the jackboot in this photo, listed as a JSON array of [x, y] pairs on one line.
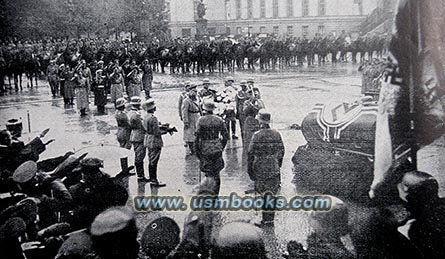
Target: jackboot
[[124, 166]]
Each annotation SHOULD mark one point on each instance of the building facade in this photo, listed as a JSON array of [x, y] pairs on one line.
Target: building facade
[[292, 17]]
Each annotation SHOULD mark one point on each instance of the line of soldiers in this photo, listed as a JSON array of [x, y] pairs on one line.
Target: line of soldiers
[[143, 133], [183, 55]]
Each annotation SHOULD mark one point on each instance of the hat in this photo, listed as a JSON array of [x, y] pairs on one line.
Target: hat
[[78, 245], [187, 83], [135, 100], [190, 87], [91, 163], [264, 116], [111, 220], [62, 66], [209, 105], [160, 237], [149, 104], [25, 172], [206, 81], [243, 82], [120, 102], [250, 80], [13, 122], [13, 228], [229, 78]]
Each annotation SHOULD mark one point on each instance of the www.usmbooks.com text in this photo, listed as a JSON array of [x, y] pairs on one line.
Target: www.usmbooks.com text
[[233, 202]]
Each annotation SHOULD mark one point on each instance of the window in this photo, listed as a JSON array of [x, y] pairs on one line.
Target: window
[[228, 30], [263, 8], [276, 29], [211, 30], [321, 29], [238, 9], [290, 8], [290, 29], [263, 29], [305, 30], [321, 7], [238, 30], [249, 9], [186, 32], [305, 8], [275, 8]]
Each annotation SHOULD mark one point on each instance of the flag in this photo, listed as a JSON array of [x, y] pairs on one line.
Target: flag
[[412, 98]]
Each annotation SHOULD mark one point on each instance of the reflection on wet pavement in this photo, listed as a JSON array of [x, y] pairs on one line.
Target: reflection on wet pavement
[[288, 96]]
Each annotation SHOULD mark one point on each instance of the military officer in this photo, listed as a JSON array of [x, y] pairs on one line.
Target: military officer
[[182, 96], [211, 139], [240, 99], [191, 111], [95, 193], [206, 92], [123, 124], [264, 160], [230, 109], [147, 78], [152, 141], [137, 136]]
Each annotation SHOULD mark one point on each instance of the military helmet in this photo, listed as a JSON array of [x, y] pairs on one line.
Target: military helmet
[[239, 240], [160, 237]]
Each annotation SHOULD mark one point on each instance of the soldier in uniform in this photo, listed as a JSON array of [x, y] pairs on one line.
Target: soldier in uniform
[[241, 98], [239, 240], [147, 78], [251, 125], [52, 73], [100, 96], [206, 92], [229, 101], [117, 83], [95, 193], [52, 194], [134, 83], [264, 160], [82, 89], [137, 136], [182, 97], [123, 124], [153, 141], [191, 111], [211, 139]]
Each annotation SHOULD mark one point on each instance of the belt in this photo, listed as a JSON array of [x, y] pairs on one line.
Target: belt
[[193, 111]]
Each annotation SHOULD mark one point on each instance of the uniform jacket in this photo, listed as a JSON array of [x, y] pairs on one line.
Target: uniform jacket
[[265, 154], [180, 101], [211, 130], [137, 127], [123, 124], [153, 137], [251, 125], [190, 115]]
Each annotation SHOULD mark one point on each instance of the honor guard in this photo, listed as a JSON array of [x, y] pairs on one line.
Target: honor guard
[[153, 142], [137, 136]]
